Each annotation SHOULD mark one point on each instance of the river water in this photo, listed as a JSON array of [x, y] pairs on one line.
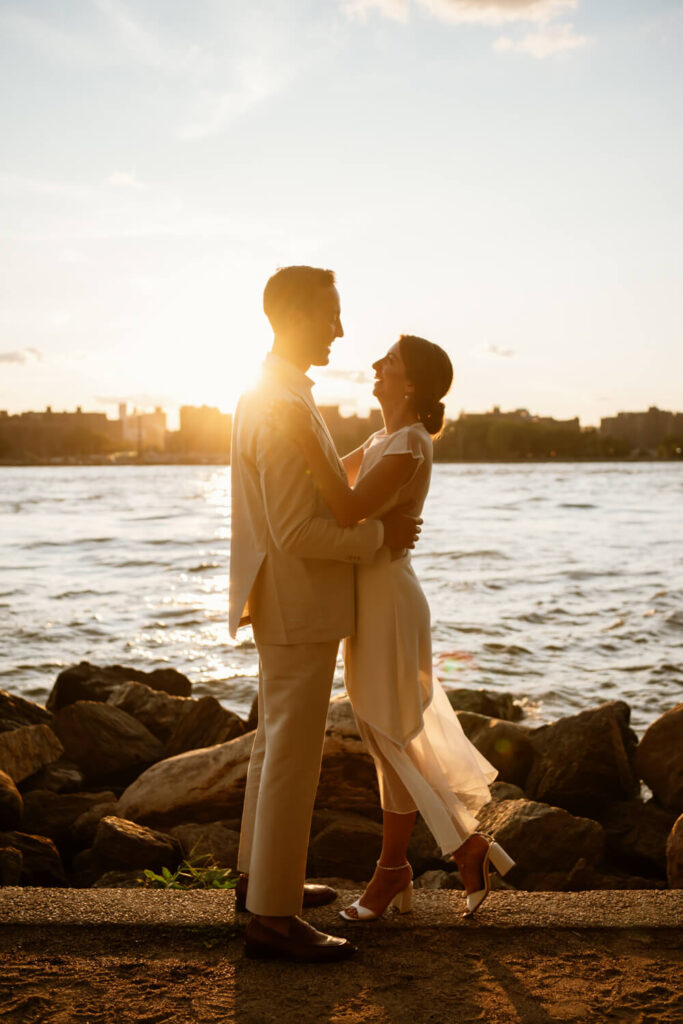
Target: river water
[[559, 583]]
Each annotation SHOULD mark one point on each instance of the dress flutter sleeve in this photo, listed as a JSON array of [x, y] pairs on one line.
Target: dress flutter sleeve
[[408, 441]]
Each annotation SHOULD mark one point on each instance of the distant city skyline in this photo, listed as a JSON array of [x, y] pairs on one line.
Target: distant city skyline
[[501, 176]]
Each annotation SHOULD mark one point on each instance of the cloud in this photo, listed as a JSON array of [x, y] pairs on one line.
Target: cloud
[[357, 10], [254, 82], [473, 12], [496, 350], [123, 179], [353, 376], [20, 356], [550, 39]]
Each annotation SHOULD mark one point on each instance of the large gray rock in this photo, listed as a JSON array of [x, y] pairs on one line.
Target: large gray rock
[[54, 814], [158, 711], [200, 785], [121, 845], [486, 702], [674, 855], [26, 749], [106, 743], [204, 724], [41, 863], [636, 835], [546, 842], [349, 846], [659, 759], [16, 711], [505, 745], [11, 803], [214, 842], [585, 761], [92, 682]]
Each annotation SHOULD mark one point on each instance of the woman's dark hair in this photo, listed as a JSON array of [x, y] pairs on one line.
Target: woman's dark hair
[[430, 372]]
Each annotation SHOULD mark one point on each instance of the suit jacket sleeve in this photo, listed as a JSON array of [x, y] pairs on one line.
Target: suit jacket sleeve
[[290, 500]]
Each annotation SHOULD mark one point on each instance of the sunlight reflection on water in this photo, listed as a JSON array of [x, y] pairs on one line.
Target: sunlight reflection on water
[[559, 583]]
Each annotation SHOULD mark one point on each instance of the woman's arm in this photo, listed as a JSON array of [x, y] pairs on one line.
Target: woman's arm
[[351, 464], [349, 505]]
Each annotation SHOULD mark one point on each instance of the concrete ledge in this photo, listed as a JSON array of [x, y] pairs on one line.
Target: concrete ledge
[[151, 908]]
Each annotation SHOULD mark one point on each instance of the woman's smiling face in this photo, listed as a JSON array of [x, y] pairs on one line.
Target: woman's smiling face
[[391, 379]]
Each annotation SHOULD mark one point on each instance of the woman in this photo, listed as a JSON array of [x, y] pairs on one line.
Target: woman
[[423, 759]]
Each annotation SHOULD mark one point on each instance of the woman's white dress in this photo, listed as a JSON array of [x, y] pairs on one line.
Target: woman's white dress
[[424, 760]]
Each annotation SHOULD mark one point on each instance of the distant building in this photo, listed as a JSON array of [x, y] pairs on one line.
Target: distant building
[[204, 430], [643, 430], [348, 432], [143, 430], [51, 434]]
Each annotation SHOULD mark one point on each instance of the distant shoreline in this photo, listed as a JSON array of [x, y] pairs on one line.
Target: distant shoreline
[[199, 461]]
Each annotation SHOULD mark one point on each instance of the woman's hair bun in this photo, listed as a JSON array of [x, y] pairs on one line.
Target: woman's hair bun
[[430, 371]]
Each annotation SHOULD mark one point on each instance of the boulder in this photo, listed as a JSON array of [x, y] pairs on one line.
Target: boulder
[[26, 749], [54, 814], [438, 880], [505, 745], [659, 759], [214, 842], [349, 846], [121, 845], [158, 711], [583, 762], [11, 865], [674, 855], [11, 803], [506, 791], [636, 835], [41, 863], [423, 852], [204, 724], [85, 826], [348, 780], [546, 842], [584, 876], [486, 702], [252, 721], [16, 711], [62, 776], [92, 682], [341, 720], [198, 786], [106, 743]]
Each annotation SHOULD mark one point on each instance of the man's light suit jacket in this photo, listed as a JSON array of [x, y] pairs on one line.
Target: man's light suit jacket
[[291, 564]]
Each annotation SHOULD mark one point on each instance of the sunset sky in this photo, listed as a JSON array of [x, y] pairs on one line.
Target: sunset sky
[[500, 176]]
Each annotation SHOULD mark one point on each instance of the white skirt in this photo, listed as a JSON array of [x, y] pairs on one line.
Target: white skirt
[[424, 760]]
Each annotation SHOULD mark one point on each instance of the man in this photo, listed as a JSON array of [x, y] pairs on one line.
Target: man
[[291, 576]]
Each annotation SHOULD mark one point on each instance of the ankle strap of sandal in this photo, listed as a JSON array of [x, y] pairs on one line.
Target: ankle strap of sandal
[[399, 867]]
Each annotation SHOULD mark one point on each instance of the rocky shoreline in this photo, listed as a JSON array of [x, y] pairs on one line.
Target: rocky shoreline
[[124, 770]]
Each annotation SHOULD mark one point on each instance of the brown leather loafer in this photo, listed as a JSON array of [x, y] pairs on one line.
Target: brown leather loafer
[[314, 895], [304, 944]]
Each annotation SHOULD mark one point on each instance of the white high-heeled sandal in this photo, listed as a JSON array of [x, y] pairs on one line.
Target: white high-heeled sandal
[[402, 901], [501, 861]]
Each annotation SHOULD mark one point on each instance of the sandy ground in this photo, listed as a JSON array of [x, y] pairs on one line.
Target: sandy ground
[[414, 970]]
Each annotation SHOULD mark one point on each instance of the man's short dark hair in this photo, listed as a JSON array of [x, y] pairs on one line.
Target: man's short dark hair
[[293, 288]]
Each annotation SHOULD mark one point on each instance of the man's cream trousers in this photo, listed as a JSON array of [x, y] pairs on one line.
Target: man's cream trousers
[[295, 681]]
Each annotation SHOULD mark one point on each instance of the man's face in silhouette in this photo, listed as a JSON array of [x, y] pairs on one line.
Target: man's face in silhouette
[[318, 327]]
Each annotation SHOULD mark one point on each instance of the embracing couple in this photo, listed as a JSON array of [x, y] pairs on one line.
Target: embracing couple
[[320, 553]]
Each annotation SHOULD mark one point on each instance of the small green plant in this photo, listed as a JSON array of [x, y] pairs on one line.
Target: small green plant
[[194, 872]]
